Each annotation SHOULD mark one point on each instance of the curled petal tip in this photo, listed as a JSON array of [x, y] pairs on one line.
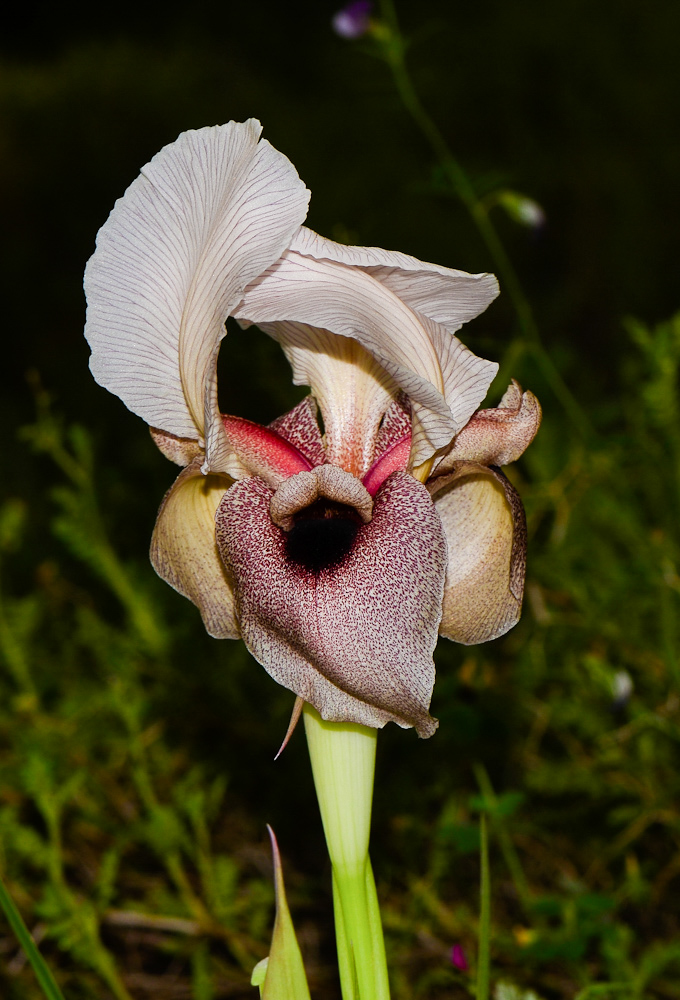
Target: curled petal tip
[[496, 436], [181, 451], [294, 719]]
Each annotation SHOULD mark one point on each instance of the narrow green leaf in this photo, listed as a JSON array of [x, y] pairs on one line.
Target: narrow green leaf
[[484, 958], [346, 967], [284, 974], [38, 963]]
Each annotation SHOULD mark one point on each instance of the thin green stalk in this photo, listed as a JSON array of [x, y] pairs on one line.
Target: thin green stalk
[[343, 765], [507, 847], [373, 930], [484, 958], [375, 919], [38, 963], [393, 49], [346, 967], [357, 935]]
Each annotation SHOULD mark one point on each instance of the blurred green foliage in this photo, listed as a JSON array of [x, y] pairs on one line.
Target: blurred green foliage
[[140, 869], [136, 770]]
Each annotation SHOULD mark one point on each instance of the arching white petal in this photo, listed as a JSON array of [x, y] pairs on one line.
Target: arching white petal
[[351, 388], [466, 381], [447, 296], [208, 214], [466, 377], [348, 302]]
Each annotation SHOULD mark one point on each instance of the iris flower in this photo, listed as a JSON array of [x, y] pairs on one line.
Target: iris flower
[[337, 556]]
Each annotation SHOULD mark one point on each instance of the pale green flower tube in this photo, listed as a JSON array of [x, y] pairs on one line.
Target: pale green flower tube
[[343, 765]]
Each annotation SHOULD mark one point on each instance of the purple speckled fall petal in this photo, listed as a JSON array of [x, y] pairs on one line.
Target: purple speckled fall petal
[[356, 639]]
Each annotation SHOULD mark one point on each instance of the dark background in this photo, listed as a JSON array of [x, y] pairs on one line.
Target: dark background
[[575, 104]]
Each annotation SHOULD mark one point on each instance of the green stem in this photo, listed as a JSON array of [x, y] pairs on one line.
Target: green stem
[[510, 856], [343, 765], [484, 959], [38, 964], [393, 49]]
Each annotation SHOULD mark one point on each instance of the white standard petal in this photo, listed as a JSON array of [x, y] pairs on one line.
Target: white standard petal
[[348, 302], [466, 377], [208, 214], [445, 295], [351, 388]]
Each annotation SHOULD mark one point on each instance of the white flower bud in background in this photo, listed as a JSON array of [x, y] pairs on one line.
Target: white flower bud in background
[[520, 208]]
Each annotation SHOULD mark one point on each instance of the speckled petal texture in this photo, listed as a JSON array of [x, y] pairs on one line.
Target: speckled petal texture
[[355, 640], [497, 436], [300, 427], [485, 530]]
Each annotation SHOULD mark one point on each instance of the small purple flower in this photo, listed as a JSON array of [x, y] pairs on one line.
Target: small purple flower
[[353, 20], [458, 958]]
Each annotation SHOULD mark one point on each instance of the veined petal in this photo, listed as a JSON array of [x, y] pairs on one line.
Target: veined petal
[[351, 388], [466, 377], [354, 639], [447, 296], [179, 450], [348, 302], [485, 530], [183, 549], [497, 436], [466, 381], [208, 214]]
